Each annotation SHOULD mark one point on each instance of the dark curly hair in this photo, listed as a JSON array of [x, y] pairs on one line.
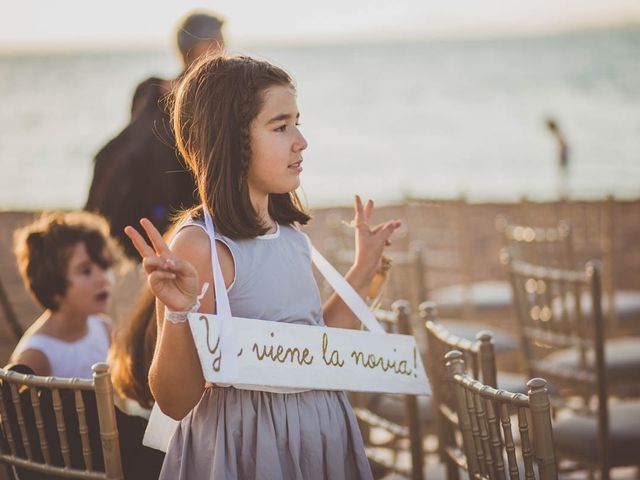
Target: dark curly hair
[[43, 250], [213, 108]]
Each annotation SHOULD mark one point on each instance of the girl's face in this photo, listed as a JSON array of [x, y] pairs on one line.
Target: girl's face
[[88, 285], [276, 144]]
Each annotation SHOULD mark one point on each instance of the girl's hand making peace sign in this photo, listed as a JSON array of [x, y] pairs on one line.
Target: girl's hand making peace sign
[[370, 241], [173, 281]]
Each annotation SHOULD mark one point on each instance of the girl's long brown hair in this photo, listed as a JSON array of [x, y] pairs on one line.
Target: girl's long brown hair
[[214, 106], [132, 349]]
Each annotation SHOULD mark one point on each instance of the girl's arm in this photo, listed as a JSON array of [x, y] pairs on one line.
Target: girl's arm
[[175, 376], [35, 360], [370, 243]]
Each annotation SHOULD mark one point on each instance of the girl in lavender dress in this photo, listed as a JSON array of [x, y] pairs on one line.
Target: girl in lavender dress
[[236, 125]]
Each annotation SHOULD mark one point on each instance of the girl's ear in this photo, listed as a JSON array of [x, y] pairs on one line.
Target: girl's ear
[[57, 300]]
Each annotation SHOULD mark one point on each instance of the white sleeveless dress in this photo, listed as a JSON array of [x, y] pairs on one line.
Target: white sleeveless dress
[[243, 434], [71, 359]]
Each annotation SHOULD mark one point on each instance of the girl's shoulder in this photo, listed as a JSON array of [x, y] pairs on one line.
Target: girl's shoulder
[[191, 243], [33, 350], [190, 235], [33, 357]]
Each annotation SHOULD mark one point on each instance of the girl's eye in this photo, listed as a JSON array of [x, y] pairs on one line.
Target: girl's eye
[[86, 271], [281, 128]]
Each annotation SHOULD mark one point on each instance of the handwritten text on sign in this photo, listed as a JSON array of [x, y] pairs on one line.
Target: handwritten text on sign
[[276, 354]]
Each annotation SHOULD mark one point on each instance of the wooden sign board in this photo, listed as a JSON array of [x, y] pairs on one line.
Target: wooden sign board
[[277, 355]]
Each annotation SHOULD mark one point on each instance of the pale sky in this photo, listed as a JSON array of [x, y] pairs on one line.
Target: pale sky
[[59, 24]]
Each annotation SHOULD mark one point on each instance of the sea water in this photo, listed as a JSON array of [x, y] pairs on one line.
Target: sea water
[[427, 119]]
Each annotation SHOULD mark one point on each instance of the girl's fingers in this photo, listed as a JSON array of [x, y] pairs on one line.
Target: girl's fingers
[[161, 276], [377, 228], [389, 228], [357, 207], [157, 241], [368, 208], [181, 267], [143, 248], [151, 264]]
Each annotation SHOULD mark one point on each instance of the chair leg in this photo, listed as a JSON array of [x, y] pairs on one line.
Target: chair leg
[[8, 472]]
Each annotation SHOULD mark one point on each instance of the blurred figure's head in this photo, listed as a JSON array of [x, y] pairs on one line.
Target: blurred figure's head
[[199, 33], [551, 124], [65, 258]]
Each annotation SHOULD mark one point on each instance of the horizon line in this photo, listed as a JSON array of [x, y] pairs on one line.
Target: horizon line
[[62, 47]]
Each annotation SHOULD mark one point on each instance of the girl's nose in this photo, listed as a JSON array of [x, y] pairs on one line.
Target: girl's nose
[[301, 142], [105, 277]]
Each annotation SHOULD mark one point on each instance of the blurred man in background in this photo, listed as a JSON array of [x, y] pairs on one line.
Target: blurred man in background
[[139, 173], [563, 157]]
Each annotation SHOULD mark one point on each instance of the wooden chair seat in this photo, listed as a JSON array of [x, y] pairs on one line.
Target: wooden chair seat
[[627, 308], [486, 296], [622, 360], [431, 471], [392, 407], [503, 341], [577, 435]]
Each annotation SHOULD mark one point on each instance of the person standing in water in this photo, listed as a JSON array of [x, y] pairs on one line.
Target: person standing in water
[[563, 157]]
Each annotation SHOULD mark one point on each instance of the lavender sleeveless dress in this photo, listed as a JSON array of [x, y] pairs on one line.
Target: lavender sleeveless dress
[[244, 434]]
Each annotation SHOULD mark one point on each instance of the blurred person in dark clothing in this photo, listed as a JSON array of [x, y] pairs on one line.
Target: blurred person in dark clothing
[[140, 173], [563, 156]]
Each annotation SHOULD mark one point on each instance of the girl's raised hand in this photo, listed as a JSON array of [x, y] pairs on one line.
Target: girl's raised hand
[[370, 240], [173, 281]]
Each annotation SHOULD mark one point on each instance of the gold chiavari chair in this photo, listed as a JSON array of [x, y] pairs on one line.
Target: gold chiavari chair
[[553, 247], [60, 428], [593, 235], [479, 355], [562, 330], [486, 452], [401, 424]]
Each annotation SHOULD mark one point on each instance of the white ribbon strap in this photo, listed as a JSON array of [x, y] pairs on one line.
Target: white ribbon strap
[[228, 342], [222, 299], [345, 291]]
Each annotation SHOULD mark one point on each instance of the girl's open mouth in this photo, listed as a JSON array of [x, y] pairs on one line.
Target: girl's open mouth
[[297, 167], [102, 296]]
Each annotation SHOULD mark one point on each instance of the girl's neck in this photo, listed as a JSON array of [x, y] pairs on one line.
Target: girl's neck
[[64, 325], [260, 204]]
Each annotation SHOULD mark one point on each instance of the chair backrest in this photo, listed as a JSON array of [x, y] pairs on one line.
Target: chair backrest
[[561, 326], [592, 235], [60, 427], [551, 246], [481, 410], [479, 353], [480, 362], [443, 227]]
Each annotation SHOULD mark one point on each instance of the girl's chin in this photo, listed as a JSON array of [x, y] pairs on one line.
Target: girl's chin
[[101, 307], [290, 189]]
